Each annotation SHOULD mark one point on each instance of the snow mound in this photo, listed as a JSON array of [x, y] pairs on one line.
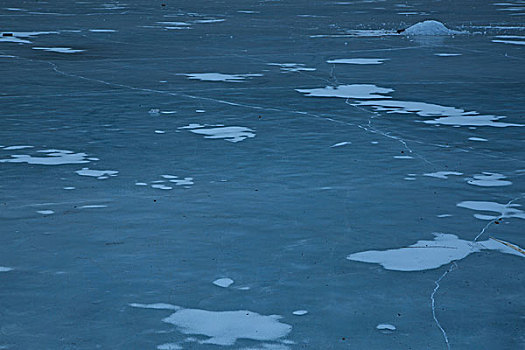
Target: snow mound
[[429, 28]]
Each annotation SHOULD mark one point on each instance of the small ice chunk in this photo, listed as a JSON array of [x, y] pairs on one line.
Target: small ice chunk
[[69, 188], [169, 176], [223, 282], [141, 184], [160, 132], [45, 212], [200, 111], [385, 326], [300, 312]]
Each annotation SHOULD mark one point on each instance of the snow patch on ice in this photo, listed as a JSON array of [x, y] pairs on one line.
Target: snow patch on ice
[[5, 269], [358, 91], [292, 67], [427, 255], [229, 78], [385, 326], [300, 312], [359, 60], [504, 210], [429, 28], [477, 139], [58, 49], [442, 174], [45, 212], [53, 157], [228, 133], [487, 179], [100, 174]]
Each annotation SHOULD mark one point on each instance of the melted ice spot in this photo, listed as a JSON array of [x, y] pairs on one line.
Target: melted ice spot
[[359, 60], [58, 49], [223, 282], [96, 173], [442, 174], [53, 157], [427, 255], [359, 91], [230, 78], [489, 180], [504, 210]]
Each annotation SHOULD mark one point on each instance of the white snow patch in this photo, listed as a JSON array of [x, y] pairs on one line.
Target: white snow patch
[[226, 327], [228, 133], [169, 346], [223, 282], [58, 49], [292, 67], [477, 139], [162, 187], [504, 210], [230, 78], [187, 181], [96, 173], [344, 143], [156, 306], [5, 269], [13, 148], [442, 174], [426, 255], [487, 179], [45, 212], [359, 60], [358, 91], [448, 54], [54, 157]]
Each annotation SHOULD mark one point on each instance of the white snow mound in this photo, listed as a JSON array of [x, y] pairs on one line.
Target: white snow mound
[[428, 28]]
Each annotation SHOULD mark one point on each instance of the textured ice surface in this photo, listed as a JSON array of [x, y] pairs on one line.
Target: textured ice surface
[[427, 255]]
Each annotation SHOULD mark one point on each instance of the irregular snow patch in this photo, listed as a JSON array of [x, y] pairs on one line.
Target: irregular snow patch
[[292, 67], [359, 91], [228, 133], [487, 179], [359, 60], [230, 78], [504, 210], [13, 148], [161, 187], [427, 255], [223, 282], [442, 174], [477, 139], [100, 174], [429, 28], [53, 157], [156, 306], [58, 49]]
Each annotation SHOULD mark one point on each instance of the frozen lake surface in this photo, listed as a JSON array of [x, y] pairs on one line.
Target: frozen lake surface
[[271, 175]]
